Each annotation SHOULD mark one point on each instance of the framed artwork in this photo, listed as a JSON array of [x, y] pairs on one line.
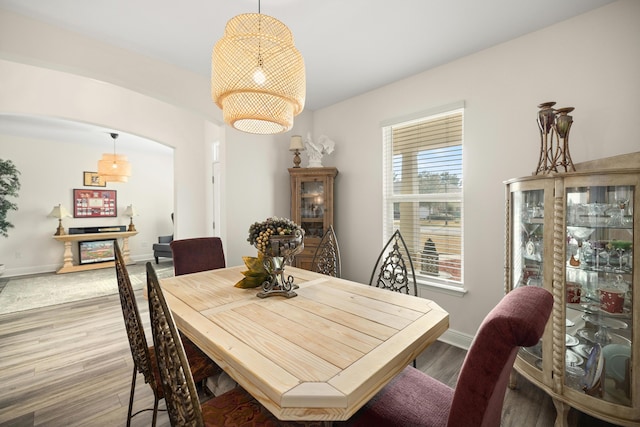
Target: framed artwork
[[89, 203], [92, 179]]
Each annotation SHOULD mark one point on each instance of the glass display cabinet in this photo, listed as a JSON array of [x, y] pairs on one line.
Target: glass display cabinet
[[575, 234], [311, 207]]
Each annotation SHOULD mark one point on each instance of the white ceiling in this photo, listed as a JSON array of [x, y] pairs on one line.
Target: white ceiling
[[349, 46]]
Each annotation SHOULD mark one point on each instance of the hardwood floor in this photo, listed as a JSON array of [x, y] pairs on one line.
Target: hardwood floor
[[70, 365]]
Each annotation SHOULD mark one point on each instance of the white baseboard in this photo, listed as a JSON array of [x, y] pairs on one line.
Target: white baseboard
[[24, 271], [52, 268], [456, 339]]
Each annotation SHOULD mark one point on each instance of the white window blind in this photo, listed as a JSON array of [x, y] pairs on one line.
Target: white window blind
[[422, 181]]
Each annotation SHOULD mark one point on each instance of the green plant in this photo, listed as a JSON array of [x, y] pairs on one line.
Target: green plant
[[9, 186]]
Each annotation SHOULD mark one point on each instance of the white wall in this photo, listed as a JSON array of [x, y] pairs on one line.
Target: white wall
[[50, 170], [591, 62], [32, 90]]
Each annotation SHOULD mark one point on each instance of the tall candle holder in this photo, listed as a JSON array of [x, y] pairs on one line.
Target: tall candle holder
[[546, 118], [562, 125], [554, 126]]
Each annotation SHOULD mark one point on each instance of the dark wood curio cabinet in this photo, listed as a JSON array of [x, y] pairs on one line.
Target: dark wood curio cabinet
[[311, 207]]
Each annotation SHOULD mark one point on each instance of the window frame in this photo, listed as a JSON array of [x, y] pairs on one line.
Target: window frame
[[389, 198]]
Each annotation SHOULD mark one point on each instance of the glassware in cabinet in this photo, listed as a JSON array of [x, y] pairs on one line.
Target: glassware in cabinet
[[599, 291], [312, 208], [527, 250]]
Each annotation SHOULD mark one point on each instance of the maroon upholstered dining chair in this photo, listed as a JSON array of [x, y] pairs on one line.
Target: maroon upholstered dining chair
[[415, 399], [235, 407], [197, 254], [144, 357]]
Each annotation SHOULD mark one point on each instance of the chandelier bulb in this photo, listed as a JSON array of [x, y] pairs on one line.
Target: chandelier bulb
[[259, 77]]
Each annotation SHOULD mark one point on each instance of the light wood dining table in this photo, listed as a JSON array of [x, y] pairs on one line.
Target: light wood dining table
[[318, 356]]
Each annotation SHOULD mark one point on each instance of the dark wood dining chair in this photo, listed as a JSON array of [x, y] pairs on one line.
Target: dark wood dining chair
[[144, 358], [395, 271], [413, 398], [197, 254], [326, 259], [235, 407]]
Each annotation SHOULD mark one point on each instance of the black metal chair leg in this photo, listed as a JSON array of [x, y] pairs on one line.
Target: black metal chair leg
[[133, 388], [155, 411]]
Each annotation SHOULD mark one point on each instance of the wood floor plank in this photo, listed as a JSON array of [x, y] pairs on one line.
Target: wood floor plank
[[70, 365]]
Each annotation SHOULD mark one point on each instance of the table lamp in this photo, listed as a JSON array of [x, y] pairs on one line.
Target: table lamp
[[296, 145], [59, 212], [131, 212]]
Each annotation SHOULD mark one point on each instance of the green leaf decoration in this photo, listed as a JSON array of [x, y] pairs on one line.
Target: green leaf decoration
[[255, 275]]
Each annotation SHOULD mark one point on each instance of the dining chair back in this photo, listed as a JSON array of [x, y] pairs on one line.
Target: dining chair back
[[144, 359], [414, 398], [181, 396], [235, 407], [395, 271], [142, 362], [197, 254], [326, 259]]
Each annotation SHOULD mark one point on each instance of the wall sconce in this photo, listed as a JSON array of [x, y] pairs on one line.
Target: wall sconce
[[59, 212], [296, 145], [131, 212]]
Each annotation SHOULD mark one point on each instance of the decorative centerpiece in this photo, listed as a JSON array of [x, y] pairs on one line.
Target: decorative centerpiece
[[278, 241], [554, 124]]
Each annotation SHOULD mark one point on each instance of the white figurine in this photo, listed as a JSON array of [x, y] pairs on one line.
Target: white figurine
[[315, 151]]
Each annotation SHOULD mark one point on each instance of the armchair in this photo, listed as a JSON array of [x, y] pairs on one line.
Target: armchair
[[163, 248]]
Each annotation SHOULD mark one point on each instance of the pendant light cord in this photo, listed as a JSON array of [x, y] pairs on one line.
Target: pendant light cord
[[259, 40], [114, 136]]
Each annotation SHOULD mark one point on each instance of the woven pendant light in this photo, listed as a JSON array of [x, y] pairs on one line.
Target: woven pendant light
[[114, 167], [258, 75]]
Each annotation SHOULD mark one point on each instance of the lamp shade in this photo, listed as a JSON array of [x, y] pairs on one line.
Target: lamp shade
[[131, 211], [296, 143], [59, 212], [258, 75], [114, 168]]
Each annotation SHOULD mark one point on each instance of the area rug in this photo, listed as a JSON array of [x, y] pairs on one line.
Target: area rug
[[29, 292]]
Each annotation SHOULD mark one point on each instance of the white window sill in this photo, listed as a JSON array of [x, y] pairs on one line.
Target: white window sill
[[435, 286]]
